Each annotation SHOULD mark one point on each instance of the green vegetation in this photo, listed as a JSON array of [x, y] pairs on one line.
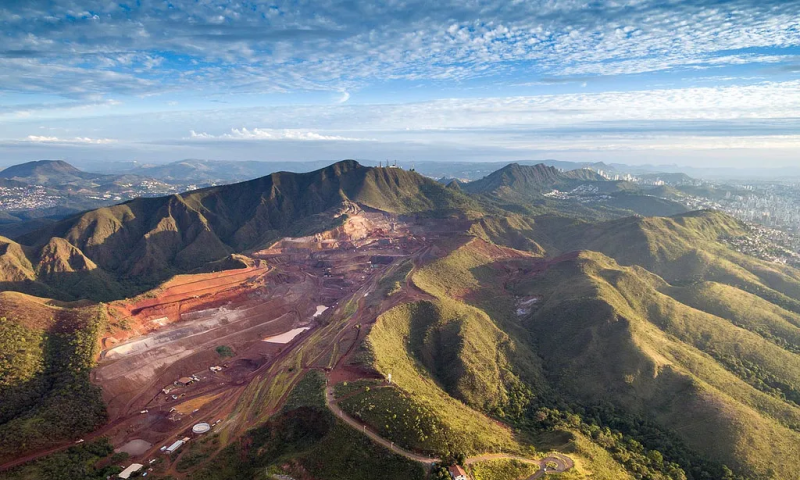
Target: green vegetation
[[625, 449], [502, 470], [306, 439], [390, 284], [225, 351], [405, 343], [21, 367], [345, 388], [760, 377], [399, 418], [76, 462], [649, 353], [745, 310], [348, 455], [308, 392], [612, 333], [47, 394]]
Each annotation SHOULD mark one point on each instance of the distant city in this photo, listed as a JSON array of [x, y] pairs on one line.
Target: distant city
[[33, 197]]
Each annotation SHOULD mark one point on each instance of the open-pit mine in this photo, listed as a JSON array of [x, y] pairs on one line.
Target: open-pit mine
[[223, 349]]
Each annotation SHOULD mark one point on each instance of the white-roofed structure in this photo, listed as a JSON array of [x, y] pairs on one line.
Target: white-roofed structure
[[132, 468], [175, 446], [201, 428]]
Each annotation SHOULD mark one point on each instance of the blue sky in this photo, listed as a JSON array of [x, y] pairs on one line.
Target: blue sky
[[688, 82]]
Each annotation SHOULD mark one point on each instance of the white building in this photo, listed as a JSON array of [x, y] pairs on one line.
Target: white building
[[134, 467], [175, 446]]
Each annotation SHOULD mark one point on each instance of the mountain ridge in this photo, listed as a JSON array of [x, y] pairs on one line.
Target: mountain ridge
[[530, 180], [152, 238]]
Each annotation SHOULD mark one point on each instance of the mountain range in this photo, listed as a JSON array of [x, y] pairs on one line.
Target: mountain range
[[151, 239], [616, 330]]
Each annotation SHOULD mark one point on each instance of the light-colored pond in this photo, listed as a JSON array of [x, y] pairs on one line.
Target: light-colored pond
[[286, 337], [135, 447]]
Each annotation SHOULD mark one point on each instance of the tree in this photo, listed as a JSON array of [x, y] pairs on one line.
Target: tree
[[225, 351]]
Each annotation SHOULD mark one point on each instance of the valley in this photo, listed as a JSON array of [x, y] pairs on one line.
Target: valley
[[298, 321]]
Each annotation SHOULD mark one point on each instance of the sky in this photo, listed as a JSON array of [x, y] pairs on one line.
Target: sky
[[700, 83]]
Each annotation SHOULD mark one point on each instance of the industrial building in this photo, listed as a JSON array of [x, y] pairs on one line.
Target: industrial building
[[172, 448]]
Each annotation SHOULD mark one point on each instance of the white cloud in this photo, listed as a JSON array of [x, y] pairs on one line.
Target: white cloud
[[272, 134], [326, 46], [76, 140]]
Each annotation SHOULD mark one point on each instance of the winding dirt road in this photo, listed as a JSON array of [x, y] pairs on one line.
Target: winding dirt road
[[562, 462]]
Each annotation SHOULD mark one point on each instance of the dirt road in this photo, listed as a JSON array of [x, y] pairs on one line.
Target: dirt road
[[563, 463], [331, 403]]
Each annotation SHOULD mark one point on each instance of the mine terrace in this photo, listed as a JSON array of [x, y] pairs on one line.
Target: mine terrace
[[171, 371]]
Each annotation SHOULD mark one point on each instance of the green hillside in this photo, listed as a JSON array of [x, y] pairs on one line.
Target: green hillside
[[715, 387], [401, 344], [683, 249], [44, 370], [611, 336]]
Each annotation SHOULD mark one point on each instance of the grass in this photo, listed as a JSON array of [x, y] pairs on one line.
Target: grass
[[502, 470], [745, 310], [343, 389], [306, 439], [615, 335], [398, 417], [394, 341], [469, 345]]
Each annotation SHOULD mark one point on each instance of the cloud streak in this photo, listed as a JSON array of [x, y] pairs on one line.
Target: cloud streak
[[272, 135], [73, 140]]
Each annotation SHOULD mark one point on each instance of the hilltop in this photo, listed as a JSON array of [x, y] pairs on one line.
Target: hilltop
[[529, 180], [584, 193], [58, 174], [44, 172]]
